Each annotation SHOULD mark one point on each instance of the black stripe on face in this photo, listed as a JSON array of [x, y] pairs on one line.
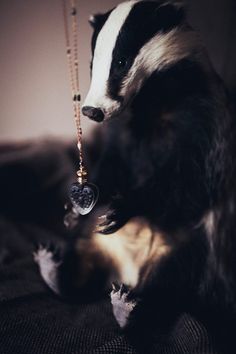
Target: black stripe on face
[[145, 20]]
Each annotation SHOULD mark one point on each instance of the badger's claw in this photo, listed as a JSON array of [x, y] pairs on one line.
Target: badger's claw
[[109, 223], [112, 221], [117, 215]]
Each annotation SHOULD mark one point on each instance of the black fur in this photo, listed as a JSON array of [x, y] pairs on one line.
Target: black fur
[[144, 21]]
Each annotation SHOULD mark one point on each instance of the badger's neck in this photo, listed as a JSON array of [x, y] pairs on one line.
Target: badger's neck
[[180, 118]]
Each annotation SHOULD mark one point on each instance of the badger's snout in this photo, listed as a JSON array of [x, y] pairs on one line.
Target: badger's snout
[[93, 113]]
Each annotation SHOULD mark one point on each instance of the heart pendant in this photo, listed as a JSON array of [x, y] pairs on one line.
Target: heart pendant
[[83, 197]]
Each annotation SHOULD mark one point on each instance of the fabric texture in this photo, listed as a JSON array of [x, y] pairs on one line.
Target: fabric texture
[[33, 185]]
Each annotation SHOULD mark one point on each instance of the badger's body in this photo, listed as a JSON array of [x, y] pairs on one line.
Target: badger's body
[[164, 169]]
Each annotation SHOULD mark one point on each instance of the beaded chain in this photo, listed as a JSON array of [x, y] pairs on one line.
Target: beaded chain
[[83, 195], [73, 66]]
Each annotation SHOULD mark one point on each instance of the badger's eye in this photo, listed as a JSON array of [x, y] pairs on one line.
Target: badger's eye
[[121, 63]]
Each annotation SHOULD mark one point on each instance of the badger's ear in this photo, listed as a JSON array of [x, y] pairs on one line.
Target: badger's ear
[[175, 3], [170, 13], [98, 20]]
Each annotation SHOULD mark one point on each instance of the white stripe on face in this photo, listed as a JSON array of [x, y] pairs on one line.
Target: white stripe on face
[[161, 51], [97, 95]]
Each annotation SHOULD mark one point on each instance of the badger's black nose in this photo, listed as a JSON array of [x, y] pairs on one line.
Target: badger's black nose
[[93, 113]]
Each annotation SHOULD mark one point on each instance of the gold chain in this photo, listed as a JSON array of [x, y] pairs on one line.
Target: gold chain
[[73, 65]]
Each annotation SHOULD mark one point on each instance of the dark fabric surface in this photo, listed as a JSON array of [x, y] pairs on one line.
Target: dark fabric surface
[[33, 184]]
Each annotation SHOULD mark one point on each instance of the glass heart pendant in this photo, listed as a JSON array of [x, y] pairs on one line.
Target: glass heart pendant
[[83, 197]]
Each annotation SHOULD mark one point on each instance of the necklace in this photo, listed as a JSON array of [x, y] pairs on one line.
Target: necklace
[[83, 195]]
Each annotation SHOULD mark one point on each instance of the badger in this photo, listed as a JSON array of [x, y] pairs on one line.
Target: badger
[[162, 232]]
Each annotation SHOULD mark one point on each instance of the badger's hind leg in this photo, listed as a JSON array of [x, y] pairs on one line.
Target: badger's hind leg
[[139, 252], [49, 261], [56, 266], [122, 304], [78, 273]]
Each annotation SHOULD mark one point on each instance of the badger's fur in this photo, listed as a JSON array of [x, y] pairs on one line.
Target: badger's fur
[[164, 169]]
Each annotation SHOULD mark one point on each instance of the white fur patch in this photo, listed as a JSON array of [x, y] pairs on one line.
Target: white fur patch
[[92, 19], [97, 95], [161, 51], [122, 308], [48, 267], [209, 223]]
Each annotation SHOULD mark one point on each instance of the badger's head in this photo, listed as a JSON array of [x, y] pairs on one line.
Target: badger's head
[[129, 43]]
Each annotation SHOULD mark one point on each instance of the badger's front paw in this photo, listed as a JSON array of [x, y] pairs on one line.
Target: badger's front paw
[[114, 219], [122, 304]]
